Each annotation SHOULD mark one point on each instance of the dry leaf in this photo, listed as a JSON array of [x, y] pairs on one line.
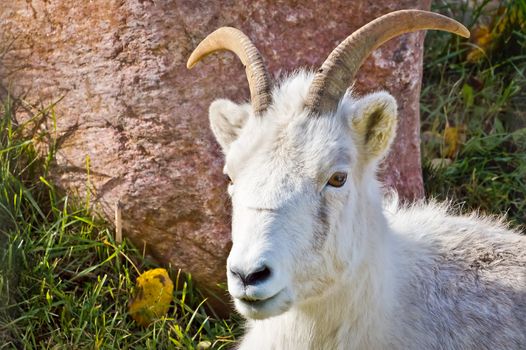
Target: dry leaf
[[487, 37], [454, 136], [482, 38], [440, 163], [203, 345], [153, 296]]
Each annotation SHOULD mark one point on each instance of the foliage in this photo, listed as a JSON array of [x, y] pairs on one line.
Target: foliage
[[472, 106], [64, 282], [153, 296]]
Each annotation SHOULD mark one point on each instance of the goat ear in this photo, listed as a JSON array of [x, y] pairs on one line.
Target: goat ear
[[373, 121], [227, 120]]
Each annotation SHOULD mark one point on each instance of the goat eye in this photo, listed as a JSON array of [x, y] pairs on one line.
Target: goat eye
[[228, 179], [337, 179]]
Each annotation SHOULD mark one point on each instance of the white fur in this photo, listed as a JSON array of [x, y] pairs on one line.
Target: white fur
[[349, 268]]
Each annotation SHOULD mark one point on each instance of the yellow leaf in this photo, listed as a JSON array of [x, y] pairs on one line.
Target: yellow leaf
[[482, 38], [153, 296], [512, 17], [454, 136]]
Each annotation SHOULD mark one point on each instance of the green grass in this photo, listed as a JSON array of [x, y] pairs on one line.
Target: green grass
[[486, 99], [66, 284]]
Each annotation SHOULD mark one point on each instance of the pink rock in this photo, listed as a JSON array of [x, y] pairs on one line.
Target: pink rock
[[131, 106]]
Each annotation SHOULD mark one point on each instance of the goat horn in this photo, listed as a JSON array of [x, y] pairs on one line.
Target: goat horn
[[338, 70], [232, 39]]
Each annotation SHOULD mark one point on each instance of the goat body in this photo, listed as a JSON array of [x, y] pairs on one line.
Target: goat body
[[432, 280]]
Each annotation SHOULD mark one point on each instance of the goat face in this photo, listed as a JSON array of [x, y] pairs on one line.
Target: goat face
[[300, 159], [295, 180]]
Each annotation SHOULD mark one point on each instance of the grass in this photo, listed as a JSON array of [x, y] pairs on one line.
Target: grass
[[66, 284], [472, 108]]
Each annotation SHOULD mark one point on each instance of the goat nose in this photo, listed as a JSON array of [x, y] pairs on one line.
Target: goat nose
[[259, 275]]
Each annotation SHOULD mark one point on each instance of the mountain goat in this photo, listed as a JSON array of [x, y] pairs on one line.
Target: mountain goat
[[320, 260]]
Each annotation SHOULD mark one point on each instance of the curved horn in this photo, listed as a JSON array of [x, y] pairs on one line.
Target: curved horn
[[338, 70], [232, 39]]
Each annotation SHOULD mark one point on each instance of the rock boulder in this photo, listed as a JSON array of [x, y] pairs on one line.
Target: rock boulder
[[128, 103]]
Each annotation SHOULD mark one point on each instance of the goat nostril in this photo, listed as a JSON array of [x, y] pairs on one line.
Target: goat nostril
[[256, 277], [238, 274]]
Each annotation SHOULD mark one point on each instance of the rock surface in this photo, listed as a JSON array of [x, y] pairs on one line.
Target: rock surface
[[128, 103]]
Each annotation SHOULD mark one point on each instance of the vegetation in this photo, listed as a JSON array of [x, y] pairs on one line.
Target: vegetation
[[473, 109], [66, 284]]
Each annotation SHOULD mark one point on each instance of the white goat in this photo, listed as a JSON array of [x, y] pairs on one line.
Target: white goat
[[318, 260]]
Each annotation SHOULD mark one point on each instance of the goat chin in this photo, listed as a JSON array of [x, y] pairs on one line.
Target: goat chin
[[262, 309]]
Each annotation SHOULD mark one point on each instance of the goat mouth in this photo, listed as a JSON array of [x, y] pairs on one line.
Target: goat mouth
[[253, 302], [258, 309]]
